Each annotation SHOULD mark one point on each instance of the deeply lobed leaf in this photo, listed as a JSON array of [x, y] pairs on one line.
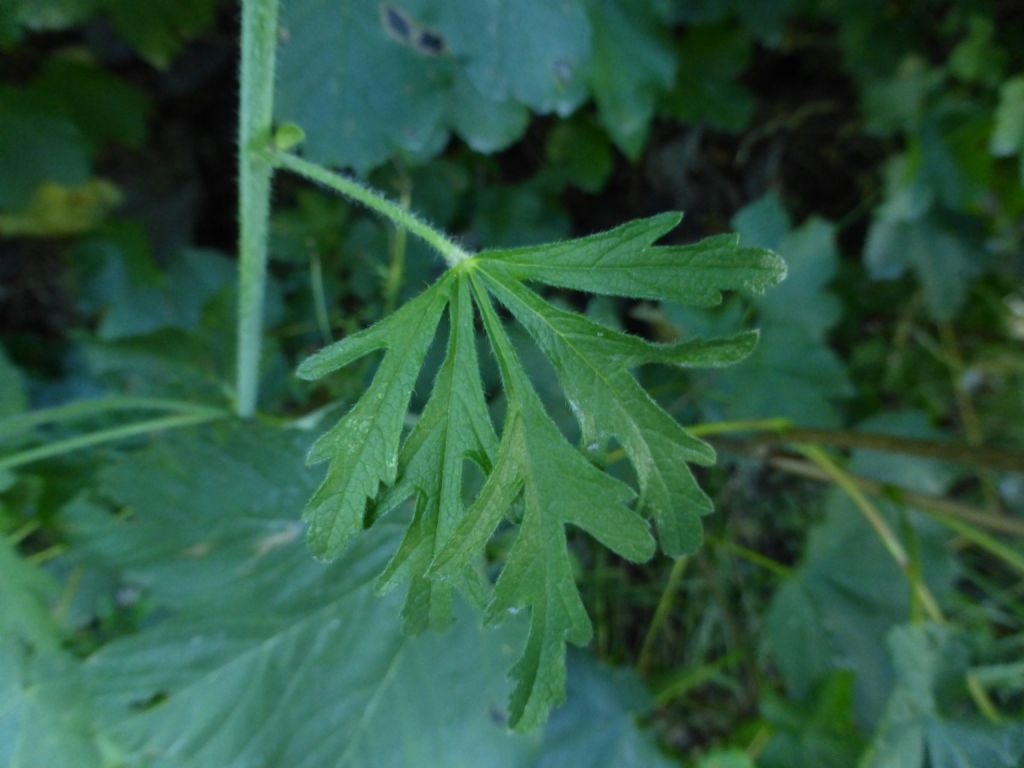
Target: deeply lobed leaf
[[592, 363], [535, 479], [363, 447], [625, 262]]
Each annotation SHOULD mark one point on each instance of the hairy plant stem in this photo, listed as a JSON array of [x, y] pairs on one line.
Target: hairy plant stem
[[255, 174], [375, 201]]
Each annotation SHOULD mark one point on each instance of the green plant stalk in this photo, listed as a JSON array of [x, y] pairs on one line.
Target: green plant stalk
[[45, 555], [752, 556], [895, 548], [957, 517], [83, 409], [661, 613], [316, 283], [885, 533], [982, 540], [982, 699], [22, 532], [931, 505], [971, 455], [255, 174], [59, 448], [751, 425], [734, 638], [680, 684], [375, 201], [62, 607]]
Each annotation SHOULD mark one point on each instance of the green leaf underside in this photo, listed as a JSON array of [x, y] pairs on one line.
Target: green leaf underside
[[535, 479]]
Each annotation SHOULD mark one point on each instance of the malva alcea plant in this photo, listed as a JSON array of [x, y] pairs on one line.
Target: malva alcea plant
[[536, 481]]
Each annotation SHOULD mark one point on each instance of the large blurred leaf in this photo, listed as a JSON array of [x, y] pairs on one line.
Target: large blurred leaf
[[363, 87], [134, 295], [793, 372], [103, 106], [632, 65], [268, 657], [848, 592], [158, 29], [925, 723], [708, 89], [369, 80], [257, 654], [26, 595], [1008, 133], [597, 726], [533, 52], [818, 731], [44, 717], [942, 255]]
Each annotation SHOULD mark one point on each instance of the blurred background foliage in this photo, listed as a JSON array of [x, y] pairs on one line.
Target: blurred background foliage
[[859, 601]]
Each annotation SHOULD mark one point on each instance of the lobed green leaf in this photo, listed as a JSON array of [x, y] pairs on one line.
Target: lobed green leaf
[[625, 262], [362, 448], [535, 480]]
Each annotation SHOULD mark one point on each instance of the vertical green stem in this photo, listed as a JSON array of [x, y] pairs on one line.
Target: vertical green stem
[[661, 613], [255, 172]]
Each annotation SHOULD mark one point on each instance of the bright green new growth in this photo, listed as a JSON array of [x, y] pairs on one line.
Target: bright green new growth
[[535, 479]]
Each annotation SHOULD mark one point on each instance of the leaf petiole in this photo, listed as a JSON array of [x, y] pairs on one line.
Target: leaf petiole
[[375, 201]]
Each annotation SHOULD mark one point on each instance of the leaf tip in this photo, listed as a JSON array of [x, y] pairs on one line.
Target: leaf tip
[[309, 369], [774, 267]]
